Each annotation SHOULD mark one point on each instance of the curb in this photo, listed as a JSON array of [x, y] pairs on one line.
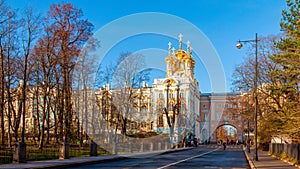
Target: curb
[[114, 158], [296, 165], [75, 162], [250, 162]]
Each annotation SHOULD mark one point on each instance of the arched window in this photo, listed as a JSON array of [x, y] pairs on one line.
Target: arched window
[[160, 95], [160, 121], [171, 106], [160, 105], [133, 125], [233, 117], [171, 95], [143, 124]]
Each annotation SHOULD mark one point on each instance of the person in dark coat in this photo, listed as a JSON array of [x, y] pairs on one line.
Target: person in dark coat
[[195, 142]]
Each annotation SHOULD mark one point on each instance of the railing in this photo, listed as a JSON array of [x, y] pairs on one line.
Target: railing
[[6, 154], [51, 151], [291, 150]]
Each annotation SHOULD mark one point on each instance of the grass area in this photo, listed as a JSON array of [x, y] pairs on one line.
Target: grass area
[[284, 156], [50, 152], [5, 156], [33, 153]]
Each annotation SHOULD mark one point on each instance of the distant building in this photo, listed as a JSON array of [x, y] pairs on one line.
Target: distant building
[[217, 110], [173, 100]]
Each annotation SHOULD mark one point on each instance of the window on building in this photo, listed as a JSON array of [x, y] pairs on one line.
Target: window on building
[[205, 106], [219, 105], [205, 117], [226, 105], [160, 95], [233, 117], [160, 121], [143, 124], [233, 105], [181, 95], [171, 106], [133, 125], [160, 105]]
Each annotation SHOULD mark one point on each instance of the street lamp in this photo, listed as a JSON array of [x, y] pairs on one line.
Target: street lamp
[[239, 46]]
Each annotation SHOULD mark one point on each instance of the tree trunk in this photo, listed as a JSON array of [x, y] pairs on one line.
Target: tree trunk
[[2, 96], [38, 113], [48, 120], [43, 122]]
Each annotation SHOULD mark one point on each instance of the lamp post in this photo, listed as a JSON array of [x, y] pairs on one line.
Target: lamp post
[[239, 46]]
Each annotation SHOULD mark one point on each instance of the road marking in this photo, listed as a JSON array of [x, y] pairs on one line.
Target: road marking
[[187, 159]]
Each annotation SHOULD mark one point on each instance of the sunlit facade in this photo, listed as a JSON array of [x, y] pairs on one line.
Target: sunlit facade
[[172, 103]]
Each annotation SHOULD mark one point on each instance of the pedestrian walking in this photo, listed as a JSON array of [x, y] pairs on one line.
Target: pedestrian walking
[[224, 146]]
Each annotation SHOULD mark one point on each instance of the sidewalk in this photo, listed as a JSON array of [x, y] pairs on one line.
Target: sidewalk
[[83, 161], [266, 161]]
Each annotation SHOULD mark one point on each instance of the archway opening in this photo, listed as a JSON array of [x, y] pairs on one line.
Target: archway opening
[[227, 133]]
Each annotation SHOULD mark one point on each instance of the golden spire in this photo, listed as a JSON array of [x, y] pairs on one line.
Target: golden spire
[[169, 49], [180, 41], [173, 51], [189, 47]]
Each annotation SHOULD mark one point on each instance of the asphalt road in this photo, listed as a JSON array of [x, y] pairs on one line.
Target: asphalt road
[[201, 157]]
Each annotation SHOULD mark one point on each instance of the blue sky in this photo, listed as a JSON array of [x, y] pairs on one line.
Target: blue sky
[[223, 22]]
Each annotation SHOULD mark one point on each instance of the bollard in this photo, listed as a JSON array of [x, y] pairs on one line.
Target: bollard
[[166, 146], [93, 149], [142, 147], [151, 146], [64, 151], [130, 147], [19, 155], [114, 149], [159, 146]]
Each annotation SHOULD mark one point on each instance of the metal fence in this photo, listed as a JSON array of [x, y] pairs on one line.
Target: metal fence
[[51, 151], [6, 154], [126, 148], [291, 150]]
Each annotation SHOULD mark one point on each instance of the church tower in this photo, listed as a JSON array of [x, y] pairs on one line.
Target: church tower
[[180, 64], [176, 98]]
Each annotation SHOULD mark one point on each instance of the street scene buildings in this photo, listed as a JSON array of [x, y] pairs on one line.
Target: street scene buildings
[[173, 104]]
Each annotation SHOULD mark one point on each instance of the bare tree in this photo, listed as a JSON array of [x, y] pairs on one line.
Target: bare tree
[[30, 32], [7, 33], [83, 93], [70, 32], [126, 78], [45, 63]]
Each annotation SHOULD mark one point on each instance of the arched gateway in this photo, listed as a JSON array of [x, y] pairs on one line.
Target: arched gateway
[[218, 110]]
